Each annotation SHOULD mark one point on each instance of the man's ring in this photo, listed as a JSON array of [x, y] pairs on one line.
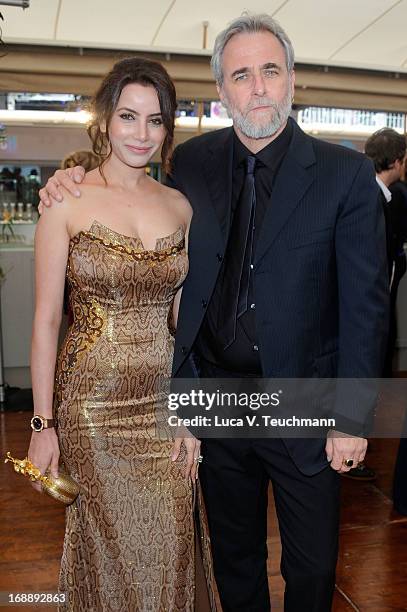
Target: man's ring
[[199, 459], [348, 462]]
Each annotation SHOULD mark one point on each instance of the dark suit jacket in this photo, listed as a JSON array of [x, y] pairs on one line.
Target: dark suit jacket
[[388, 233], [398, 216], [395, 214], [320, 279]]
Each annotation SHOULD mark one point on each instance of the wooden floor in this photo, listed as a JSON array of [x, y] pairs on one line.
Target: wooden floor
[[372, 567]]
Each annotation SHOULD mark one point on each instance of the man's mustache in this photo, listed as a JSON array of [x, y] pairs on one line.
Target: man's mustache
[[262, 102]]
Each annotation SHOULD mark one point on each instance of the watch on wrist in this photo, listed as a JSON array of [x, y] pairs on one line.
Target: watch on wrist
[[38, 423]]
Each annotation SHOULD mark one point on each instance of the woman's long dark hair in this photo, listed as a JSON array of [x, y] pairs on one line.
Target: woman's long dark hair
[[127, 71]]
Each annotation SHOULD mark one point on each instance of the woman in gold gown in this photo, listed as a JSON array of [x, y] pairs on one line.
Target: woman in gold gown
[[133, 541]]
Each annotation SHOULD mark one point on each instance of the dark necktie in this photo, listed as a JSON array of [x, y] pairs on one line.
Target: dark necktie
[[236, 275]]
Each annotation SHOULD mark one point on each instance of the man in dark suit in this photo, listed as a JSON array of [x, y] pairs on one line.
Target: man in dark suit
[[287, 279], [387, 149], [315, 304]]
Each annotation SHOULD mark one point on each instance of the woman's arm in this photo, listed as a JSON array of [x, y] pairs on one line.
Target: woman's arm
[[177, 298], [51, 254], [183, 436]]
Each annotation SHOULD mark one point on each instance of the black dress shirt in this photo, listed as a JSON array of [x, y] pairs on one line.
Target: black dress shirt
[[243, 354]]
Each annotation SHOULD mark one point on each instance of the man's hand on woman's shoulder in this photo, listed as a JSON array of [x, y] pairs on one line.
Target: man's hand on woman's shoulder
[[67, 179]]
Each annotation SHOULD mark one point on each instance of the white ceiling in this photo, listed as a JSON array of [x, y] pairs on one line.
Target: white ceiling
[[356, 33]]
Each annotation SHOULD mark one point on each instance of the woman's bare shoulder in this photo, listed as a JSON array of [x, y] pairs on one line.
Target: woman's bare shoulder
[[177, 199], [77, 210], [89, 189]]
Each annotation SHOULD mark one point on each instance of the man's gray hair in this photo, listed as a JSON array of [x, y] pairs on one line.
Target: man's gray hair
[[249, 24]]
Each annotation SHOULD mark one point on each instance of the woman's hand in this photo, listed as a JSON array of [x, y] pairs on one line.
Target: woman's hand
[[44, 452], [193, 448]]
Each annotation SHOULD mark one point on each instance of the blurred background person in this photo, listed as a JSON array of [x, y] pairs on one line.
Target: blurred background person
[[387, 149], [85, 158], [398, 215], [399, 205]]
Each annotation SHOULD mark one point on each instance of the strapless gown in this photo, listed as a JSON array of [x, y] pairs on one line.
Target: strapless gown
[[136, 540]]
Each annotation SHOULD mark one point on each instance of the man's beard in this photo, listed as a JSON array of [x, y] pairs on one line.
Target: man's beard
[[279, 111]]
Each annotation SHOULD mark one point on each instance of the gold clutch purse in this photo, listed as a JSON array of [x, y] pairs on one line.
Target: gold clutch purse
[[64, 488]]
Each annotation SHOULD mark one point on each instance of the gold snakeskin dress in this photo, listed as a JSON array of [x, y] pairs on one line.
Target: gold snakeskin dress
[[131, 540]]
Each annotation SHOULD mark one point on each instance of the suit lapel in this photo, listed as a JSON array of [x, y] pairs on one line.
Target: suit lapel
[[292, 182], [217, 171]]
